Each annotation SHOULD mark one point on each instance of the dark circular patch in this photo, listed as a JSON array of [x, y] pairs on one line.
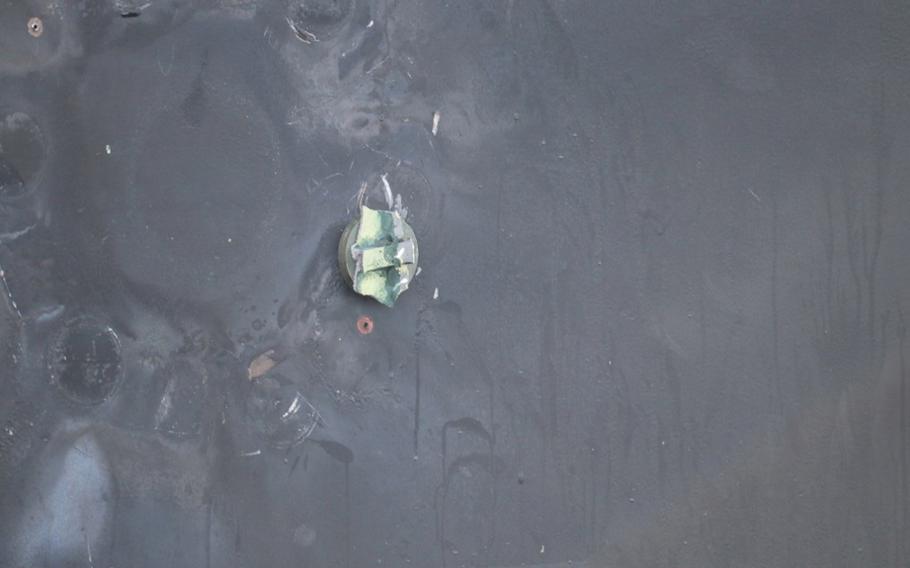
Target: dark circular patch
[[84, 361], [317, 16]]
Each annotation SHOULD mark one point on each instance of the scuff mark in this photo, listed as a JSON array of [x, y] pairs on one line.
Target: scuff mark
[[390, 201], [292, 409], [303, 35], [361, 194], [9, 295], [135, 13], [13, 235]]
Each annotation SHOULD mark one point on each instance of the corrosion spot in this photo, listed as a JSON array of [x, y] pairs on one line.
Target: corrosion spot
[[35, 27], [365, 325]]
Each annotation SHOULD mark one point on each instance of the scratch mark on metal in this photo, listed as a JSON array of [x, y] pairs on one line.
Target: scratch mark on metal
[[9, 295], [390, 201], [13, 235], [305, 36], [292, 409]]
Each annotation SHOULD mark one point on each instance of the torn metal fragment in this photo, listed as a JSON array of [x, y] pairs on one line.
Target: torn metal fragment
[[378, 255]]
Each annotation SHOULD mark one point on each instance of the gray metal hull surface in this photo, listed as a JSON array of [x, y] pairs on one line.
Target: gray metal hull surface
[[660, 319]]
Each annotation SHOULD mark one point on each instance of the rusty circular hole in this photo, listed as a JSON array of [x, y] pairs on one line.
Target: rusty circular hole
[[35, 27], [365, 325]]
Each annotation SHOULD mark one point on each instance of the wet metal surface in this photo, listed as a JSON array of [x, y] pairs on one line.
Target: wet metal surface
[[660, 320]]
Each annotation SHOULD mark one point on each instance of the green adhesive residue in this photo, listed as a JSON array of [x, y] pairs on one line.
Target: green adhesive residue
[[379, 253]]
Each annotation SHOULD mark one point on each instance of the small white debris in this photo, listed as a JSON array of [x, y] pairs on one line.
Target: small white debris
[[436, 117], [388, 191], [436, 294], [251, 454], [295, 406], [361, 194], [543, 548], [370, 25], [107, 149], [399, 206], [230, 240], [402, 284]]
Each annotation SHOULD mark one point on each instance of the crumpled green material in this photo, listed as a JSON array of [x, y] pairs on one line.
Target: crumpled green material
[[385, 253]]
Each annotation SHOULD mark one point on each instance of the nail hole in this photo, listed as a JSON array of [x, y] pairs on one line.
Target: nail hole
[[365, 325], [35, 27]]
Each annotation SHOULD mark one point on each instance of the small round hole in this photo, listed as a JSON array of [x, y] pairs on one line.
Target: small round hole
[[35, 27], [365, 325]]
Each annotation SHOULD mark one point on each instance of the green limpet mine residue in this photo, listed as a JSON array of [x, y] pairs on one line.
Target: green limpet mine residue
[[378, 255]]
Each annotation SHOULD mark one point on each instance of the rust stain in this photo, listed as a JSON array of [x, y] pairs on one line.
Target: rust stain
[[261, 365], [365, 325]]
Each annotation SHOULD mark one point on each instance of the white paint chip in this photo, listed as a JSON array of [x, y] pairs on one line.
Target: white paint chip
[[370, 25], [295, 406], [436, 117], [107, 149], [390, 201], [436, 294]]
